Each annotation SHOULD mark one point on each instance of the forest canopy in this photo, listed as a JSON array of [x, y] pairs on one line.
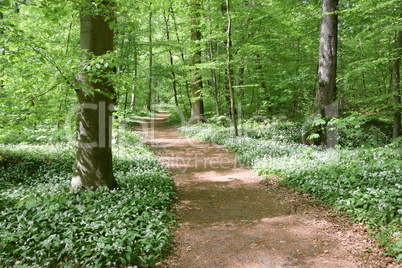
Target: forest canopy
[[274, 53]]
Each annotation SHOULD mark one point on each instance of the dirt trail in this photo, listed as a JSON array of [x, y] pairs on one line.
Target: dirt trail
[[229, 217]]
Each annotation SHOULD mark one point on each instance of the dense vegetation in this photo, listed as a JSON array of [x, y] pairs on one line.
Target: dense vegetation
[[44, 224], [362, 178], [274, 59], [259, 56]]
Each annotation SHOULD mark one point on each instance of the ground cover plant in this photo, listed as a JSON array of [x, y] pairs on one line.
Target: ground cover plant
[[364, 181], [44, 224]]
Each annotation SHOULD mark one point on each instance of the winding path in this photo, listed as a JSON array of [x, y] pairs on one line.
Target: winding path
[[230, 218]]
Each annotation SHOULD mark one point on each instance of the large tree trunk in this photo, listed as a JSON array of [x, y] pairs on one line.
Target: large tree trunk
[[93, 163], [197, 104], [396, 81], [325, 100]]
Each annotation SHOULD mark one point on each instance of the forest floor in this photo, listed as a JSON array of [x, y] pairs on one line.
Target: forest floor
[[230, 217]]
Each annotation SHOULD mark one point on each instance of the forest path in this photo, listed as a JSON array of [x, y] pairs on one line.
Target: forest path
[[229, 217]]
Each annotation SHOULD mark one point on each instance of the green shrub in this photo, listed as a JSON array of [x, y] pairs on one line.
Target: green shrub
[[43, 224]]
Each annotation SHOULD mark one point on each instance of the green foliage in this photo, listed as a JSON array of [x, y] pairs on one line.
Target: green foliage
[[44, 224], [365, 182], [363, 131], [177, 117]]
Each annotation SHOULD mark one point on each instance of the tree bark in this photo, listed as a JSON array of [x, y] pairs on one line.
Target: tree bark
[[197, 104], [229, 68], [171, 60], [149, 98], [396, 81], [325, 100], [240, 83], [93, 163], [215, 92], [134, 87]]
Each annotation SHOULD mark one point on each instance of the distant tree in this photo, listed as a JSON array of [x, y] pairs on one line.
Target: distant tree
[[93, 162], [325, 100]]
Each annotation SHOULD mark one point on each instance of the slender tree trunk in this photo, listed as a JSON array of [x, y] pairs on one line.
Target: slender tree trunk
[[187, 84], [325, 100], [125, 104], [93, 162], [229, 68], [171, 61], [149, 98], [215, 92], [240, 83], [134, 86], [396, 81], [197, 104], [263, 84], [297, 72]]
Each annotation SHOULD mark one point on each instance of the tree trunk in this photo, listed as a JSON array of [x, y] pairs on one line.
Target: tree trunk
[[396, 81], [149, 98], [215, 92], [325, 100], [171, 60], [134, 86], [240, 83], [93, 163], [197, 104], [229, 68], [186, 86]]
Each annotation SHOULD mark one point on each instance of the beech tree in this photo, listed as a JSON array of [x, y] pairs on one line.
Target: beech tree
[[229, 71], [197, 103], [178, 52], [93, 162], [325, 100]]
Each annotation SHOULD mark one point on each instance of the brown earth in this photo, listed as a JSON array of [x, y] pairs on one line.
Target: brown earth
[[230, 217]]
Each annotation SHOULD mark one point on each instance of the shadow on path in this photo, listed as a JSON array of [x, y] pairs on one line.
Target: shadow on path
[[229, 218]]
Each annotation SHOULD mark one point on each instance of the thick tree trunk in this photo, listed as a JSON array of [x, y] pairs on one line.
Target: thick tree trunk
[[93, 163], [325, 100], [197, 104], [396, 81]]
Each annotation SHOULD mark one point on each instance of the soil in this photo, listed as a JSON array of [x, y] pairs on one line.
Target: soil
[[230, 217]]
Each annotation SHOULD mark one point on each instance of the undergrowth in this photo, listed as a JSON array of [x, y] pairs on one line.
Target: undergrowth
[[44, 224], [365, 182]]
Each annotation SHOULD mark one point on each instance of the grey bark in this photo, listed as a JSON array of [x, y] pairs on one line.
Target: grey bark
[[149, 98], [325, 100], [171, 61], [229, 68], [197, 104], [93, 163]]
